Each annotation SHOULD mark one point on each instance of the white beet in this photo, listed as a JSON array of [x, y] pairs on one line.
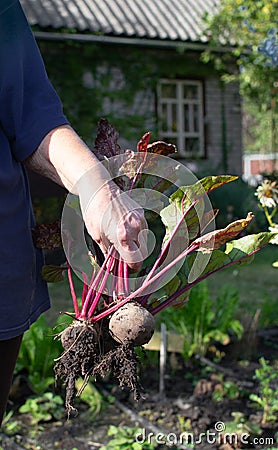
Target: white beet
[[132, 323]]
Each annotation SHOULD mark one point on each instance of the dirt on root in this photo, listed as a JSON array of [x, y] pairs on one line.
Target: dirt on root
[[91, 352]]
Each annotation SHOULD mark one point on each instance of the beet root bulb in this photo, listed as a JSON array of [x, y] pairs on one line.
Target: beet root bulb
[[132, 323]]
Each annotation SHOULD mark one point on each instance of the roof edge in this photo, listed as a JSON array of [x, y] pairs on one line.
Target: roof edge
[[93, 38]]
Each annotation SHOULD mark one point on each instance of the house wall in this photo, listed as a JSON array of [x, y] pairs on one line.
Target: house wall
[[119, 82], [222, 127]]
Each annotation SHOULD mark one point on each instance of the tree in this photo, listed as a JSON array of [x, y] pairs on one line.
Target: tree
[[249, 29]]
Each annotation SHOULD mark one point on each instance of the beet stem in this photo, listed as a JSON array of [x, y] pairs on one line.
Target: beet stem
[[85, 287], [95, 281], [73, 294], [145, 298], [102, 285], [126, 278], [146, 284], [120, 290]]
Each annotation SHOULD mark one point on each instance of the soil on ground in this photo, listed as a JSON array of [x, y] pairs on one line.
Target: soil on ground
[[196, 400]]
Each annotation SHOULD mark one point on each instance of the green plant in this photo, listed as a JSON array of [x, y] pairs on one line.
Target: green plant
[[269, 312], [91, 396], [37, 355], [43, 408], [252, 31], [78, 95], [47, 209], [204, 320], [267, 398], [124, 438], [225, 389], [185, 424], [240, 425], [10, 426]]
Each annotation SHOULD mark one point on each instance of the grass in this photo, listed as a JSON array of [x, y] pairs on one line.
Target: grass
[[256, 284]]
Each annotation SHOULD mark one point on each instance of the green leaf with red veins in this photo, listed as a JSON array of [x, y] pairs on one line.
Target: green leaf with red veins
[[180, 202], [185, 195], [240, 251], [143, 165], [194, 218], [162, 295], [247, 245], [131, 166], [183, 298], [207, 218]]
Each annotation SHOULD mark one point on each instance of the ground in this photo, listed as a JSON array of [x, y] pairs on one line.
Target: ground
[[188, 404]]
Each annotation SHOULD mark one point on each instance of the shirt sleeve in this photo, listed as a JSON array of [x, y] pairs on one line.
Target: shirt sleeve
[[29, 105]]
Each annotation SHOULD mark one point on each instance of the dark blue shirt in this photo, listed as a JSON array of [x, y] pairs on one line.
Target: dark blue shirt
[[29, 109]]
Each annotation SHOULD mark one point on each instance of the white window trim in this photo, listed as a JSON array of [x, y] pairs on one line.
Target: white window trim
[[180, 101]]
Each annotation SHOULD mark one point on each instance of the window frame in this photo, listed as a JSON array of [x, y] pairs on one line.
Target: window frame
[[181, 134]]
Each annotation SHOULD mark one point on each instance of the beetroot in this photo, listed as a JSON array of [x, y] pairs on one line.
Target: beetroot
[[132, 323], [91, 351]]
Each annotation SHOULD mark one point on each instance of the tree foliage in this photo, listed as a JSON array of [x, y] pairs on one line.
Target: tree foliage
[[250, 29]]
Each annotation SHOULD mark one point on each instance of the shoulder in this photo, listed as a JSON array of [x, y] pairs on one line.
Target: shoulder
[[12, 20], [6, 4]]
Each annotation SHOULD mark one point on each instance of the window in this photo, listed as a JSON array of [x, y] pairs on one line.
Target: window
[[180, 109]]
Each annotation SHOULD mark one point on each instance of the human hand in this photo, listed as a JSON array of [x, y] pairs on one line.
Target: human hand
[[113, 217]]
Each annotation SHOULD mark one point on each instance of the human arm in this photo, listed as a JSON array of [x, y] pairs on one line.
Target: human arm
[[110, 215], [32, 119]]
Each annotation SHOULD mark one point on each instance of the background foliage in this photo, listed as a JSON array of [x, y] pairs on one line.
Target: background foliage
[[250, 28]]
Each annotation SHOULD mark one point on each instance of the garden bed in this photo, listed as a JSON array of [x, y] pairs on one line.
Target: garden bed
[[199, 398]]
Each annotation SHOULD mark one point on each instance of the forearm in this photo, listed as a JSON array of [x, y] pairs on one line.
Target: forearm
[[63, 157], [110, 215]]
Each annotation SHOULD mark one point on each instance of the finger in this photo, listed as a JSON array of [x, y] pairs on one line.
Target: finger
[[132, 255], [132, 242]]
